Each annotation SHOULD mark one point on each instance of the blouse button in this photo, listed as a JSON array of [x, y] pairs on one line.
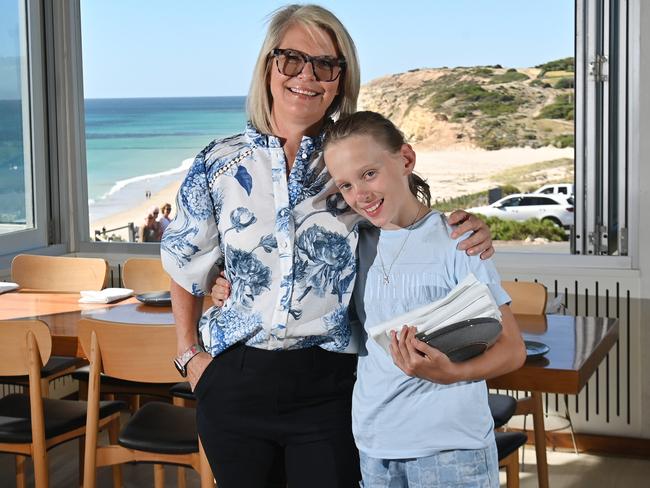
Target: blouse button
[[304, 155], [285, 244]]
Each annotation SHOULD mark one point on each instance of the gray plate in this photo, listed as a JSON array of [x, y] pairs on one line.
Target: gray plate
[[464, 340], [156, 298]]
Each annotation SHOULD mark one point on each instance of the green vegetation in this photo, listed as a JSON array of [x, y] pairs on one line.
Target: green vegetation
[[540, 83], [564, 140], [510, 230], [564, 64], [482, 71], [521, 175], [564, 83], [471, 96], [561, 108], [509, 76]]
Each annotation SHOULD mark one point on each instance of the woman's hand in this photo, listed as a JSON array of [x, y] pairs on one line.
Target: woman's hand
[[221, 290], [196, 367], [480, 242], [420, 360]]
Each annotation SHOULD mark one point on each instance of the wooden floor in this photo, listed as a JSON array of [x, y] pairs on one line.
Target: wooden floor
[[566, 469]]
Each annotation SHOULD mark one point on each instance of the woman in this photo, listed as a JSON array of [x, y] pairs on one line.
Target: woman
[[261, 204]]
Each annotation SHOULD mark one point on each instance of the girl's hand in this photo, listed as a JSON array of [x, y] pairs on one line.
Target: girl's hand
[[420, 360], [480, 242], [221, 290]]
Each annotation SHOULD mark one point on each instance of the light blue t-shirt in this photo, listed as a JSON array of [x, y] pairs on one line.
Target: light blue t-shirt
[[395, 416]]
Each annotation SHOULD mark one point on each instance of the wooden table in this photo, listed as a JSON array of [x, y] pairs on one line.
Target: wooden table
[[62, 311], [577, 346]]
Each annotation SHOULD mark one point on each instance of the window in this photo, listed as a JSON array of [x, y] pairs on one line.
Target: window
[[587, 78], [23, 205]]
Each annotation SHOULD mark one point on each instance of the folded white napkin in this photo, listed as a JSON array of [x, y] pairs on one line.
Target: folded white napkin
[[107, 295], [5, 286]]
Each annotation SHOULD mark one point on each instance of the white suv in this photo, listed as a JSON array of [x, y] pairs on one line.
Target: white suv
[[565, 189], [557, 209]]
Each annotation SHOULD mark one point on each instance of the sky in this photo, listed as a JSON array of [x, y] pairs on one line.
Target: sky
[[165, 48]]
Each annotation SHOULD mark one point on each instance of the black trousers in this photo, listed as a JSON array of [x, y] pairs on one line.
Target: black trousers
[[256, 407]]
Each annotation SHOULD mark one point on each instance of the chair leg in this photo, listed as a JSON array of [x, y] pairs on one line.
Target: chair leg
[[512, 470], [113, 434], [41, 474], [180, 472], [20, 471], [158, 476], [180, 477], [134, 403], [45, 387]]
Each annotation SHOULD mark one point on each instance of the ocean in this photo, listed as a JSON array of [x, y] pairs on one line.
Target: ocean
[[144, 144]]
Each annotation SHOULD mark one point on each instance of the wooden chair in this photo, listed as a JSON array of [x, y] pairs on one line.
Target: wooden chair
[[508, 444], [158, 432], [527, 297], [30, 425], [58, 273], [144, 275]]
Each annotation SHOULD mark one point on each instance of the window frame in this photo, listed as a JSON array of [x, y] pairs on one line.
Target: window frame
[[66, 163], [35, 126]]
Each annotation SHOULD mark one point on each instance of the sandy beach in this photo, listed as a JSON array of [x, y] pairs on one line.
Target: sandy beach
[[450, 173]]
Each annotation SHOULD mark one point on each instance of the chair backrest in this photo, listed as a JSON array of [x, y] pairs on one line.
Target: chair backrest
[[59, 273], [131, 352], [16, 344], [145, 274], [527, 297]]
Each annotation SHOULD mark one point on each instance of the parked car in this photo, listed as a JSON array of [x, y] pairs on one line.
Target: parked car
[[557, 189], [557, 209]]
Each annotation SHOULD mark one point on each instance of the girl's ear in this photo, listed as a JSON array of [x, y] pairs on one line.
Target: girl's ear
[[408, 157]]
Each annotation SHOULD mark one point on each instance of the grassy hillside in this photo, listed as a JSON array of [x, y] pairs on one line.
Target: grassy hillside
[[489, 107]]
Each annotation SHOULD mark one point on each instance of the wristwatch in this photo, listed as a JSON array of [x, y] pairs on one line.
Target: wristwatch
[[181, 361]]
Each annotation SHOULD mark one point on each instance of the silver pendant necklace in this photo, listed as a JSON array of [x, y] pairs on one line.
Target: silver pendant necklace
[[386, 274]]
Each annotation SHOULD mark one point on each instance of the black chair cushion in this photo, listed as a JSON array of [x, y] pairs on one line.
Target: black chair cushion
[[55, 365], [509, 442], [502, 408], [83, 374], [162, 428], [60, 416], [182, 390]]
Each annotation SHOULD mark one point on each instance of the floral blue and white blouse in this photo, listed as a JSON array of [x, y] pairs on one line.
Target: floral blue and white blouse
[[288, 245]]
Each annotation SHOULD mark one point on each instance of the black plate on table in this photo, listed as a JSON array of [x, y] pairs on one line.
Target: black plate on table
[[464, 340], [536, 349], [156, 298]]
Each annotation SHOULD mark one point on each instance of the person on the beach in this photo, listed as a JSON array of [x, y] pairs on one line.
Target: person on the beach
[[277, 375], [149, 231], [418, 418], [164, 219]]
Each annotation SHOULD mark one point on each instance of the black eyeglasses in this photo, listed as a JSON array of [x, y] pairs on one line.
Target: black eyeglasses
[[291, 63]]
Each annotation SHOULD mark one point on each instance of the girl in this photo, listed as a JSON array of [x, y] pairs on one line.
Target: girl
[[418, 419]]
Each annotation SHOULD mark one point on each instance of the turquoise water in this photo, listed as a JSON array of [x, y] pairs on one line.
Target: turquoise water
[[129, 138]]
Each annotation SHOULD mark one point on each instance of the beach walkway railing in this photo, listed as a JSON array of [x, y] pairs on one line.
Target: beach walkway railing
[[105, 234]]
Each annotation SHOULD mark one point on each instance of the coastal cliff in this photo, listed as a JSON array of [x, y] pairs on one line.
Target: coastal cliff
[[481, 107]]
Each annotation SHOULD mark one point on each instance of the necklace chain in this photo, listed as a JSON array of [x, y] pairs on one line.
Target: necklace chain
[[386, 274]]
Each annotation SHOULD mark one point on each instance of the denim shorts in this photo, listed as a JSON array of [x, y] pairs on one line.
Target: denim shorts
[[477, 468]]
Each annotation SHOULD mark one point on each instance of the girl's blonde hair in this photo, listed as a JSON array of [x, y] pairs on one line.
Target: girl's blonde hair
[[313, 17], [384, 132]]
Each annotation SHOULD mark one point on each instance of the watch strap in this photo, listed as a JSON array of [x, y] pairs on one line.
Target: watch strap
[[181, 361]]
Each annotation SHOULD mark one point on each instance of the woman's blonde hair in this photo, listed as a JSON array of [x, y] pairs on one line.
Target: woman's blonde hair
[[259, 102]]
